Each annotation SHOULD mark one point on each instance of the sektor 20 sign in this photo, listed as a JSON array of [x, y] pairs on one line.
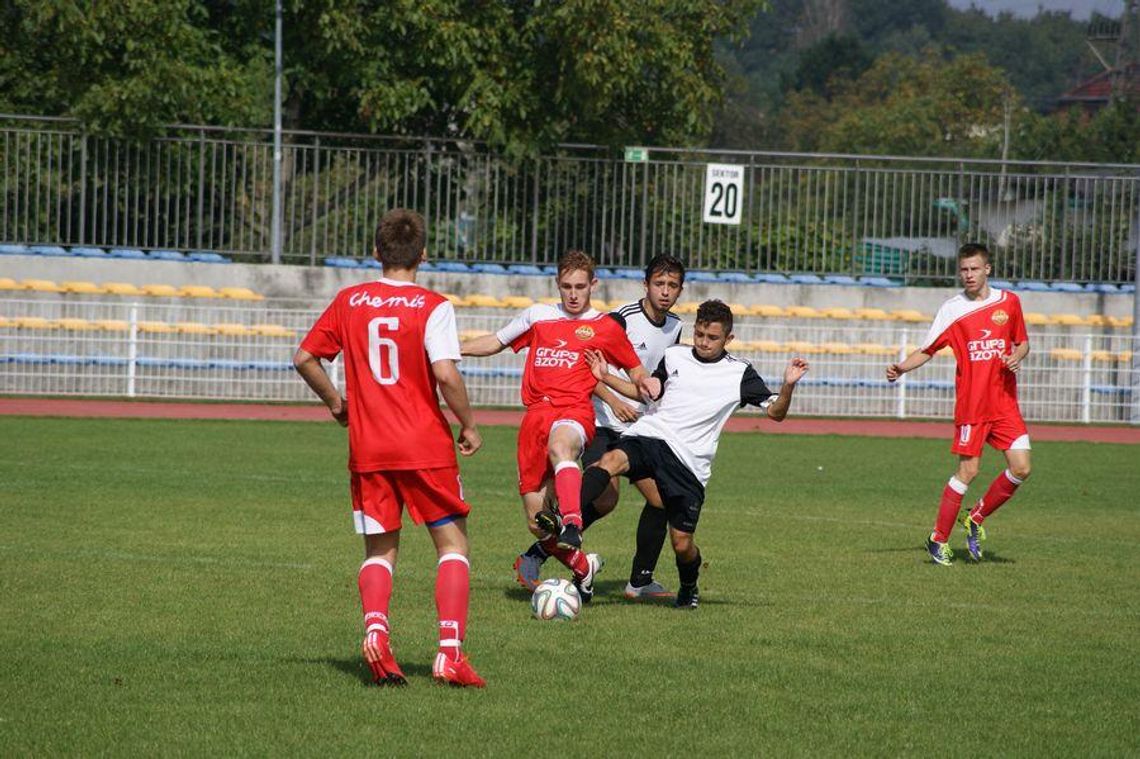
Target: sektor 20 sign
[[724, 193]]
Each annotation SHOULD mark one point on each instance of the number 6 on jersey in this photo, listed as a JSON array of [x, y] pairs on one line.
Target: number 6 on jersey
[[383, 353]]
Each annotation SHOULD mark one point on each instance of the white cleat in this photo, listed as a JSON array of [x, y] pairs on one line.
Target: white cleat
[[653, 589], [585, 585]]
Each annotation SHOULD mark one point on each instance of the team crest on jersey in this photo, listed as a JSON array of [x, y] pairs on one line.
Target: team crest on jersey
[[584, 333], [999, 317]]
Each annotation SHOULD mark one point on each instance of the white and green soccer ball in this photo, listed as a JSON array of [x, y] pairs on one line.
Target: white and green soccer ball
[[555, 599]]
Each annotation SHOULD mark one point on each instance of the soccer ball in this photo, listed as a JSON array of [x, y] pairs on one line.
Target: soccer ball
[[555, 599]]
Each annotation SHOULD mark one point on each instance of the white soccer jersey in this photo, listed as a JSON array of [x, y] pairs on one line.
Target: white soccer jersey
[[650, 339], [539, 312], [698, 398]]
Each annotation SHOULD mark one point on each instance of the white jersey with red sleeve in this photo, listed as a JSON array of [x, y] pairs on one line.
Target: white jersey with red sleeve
[[556, 369], [981, 333], [389, 333]]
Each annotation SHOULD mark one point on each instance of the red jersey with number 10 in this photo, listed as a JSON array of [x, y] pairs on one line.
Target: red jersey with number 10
[[981, 333], [389, 333], [556, 369]]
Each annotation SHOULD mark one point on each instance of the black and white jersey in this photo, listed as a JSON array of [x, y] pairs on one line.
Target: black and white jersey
[[698, 398], [650, 339]]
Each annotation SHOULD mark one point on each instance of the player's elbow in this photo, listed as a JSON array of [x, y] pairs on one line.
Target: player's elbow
[[777, 414], [301, 359]]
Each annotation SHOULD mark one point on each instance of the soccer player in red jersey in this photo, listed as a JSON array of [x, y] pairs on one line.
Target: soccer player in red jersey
[[400, 344], [985, 328], [557, 388]]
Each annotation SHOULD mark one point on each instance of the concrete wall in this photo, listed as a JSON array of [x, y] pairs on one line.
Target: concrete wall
[[310, 285]]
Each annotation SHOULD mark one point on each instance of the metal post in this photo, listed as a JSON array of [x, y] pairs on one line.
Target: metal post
[[1135, 416], [900, 410], [1086, 381], [276, 232], [83, 189], [132, 349]]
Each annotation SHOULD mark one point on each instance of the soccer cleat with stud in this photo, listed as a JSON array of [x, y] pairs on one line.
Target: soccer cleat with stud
[[975, 534], [527, 569], [570, 537], [456, 672], [378, 655], [940, 553], [652, 589], [688, 598], [549, 522], [585, 584]]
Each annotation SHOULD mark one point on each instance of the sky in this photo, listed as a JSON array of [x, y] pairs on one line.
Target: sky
[[1079, 9]]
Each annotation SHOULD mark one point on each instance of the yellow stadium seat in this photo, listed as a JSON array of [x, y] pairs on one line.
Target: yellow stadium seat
[[598, 305], [6, 322], [35, 322], [1104, 357], [686, 307], [873, 314], [194, 328], [1096, 320], [272, 330], [1035, 319], [112, 325], [457, 301], [1125, 357], [768, 346], [803, 312], [10, 284], [517, 301], [1120, 321], [837, 348], [1068, 320], [156, 327], [550, 301], [42, 286], [739, 309], [233, 330], [198, 291], [838, 313], [77, 325], [1066, 354], [121, 288], [160, 291], [484, 301], [910, 315], [82, 288], [766, 310], [239, 293], [802, 346], [875, 349]]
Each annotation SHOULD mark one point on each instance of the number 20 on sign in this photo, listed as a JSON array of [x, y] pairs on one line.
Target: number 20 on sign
[[724, 193]]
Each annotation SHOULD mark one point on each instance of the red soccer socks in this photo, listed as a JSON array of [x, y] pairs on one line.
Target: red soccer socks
[[948, 508], [1001, 490]]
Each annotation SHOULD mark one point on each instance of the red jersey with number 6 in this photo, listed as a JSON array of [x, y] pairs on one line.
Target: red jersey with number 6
[[389, 333], [981, 333], [556, 369]]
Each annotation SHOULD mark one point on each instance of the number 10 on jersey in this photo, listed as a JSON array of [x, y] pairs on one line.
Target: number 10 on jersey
[[724, 193]]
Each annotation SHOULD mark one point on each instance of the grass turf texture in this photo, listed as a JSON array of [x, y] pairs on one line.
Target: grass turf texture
[[189, 588]]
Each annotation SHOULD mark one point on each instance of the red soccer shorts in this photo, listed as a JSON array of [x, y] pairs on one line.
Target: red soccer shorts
[[378, 498], [534, 438], [1003, 434]]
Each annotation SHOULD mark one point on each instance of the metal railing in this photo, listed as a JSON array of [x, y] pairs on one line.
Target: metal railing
[[207, 188], [175, 350]]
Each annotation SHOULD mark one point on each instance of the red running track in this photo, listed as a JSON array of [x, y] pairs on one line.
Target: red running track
[[317, 413]]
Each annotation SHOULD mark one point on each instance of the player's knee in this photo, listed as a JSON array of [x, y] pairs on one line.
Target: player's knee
[[1021, 470], [607, 501], [967, 471], [682, 542]]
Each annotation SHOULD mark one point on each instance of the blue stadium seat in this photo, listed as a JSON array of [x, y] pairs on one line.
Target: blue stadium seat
[[806, 279], [457, 267], [270, 366], [1066, 287], [342, 262], [701, 276], [227, 363], [89, 252], [13, 249], [865, 382], [1001, 284], [369, 263], [166, 255], [734, 276], [1128, 288], [48, 250], [1110, 390], [628, 273], [489, 371], [772, 279], [489, 269], [427, 266], [879, 282], [550, 270], [108, 361], [1032, 285], [529, 270], [1102, 287], [206, 257], [602, 272], [127, 253], [840, 279]]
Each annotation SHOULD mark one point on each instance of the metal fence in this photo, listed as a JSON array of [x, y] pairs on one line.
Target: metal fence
[[204, 188], [147, 349]]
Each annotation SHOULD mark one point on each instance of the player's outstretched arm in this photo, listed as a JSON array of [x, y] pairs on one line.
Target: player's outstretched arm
[[310, 369], [454, 392], [484, 345], [600, 367], [793, 373], [908, 364]]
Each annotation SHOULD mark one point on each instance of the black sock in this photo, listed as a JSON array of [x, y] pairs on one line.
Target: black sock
[[651, 530], [537, 551], [689, 570], [589, 515], [594, 482]]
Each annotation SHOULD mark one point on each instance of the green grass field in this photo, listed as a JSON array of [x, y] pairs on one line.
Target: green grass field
[[175, 587]]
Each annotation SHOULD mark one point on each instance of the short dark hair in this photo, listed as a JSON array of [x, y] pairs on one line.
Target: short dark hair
[[400, 238], [971, 249], [576, 260], [665, 264], [712, 311]]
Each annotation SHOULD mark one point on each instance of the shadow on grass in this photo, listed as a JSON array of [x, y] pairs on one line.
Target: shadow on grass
[[960, 555], [357, 670]]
